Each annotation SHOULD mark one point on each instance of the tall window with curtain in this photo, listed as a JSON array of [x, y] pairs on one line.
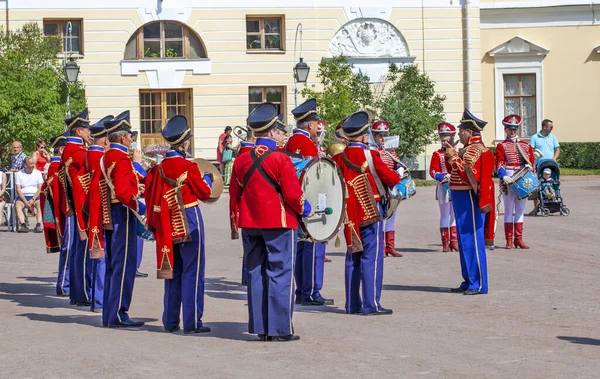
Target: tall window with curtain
[[520, 99]]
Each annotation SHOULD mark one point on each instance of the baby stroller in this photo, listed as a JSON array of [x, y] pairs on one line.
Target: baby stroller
[[549, 194]]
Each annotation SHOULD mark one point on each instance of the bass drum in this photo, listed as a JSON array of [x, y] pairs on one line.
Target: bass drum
[[325, 190]]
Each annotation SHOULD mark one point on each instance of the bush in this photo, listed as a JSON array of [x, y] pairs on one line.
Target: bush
[[582, 155]]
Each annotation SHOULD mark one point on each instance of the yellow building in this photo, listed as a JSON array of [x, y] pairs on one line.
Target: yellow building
[[213, 63], [541, 59]]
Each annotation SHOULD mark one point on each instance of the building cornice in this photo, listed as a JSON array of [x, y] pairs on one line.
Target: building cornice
[[540, 16]]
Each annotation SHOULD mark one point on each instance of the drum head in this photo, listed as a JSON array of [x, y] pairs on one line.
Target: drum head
[[325, 190]]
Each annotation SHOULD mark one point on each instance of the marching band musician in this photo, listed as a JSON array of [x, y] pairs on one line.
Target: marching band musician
[[363, 227], [75, 184], [266, 198], [60, 233], [92, 164], [310, 255], [175, 187], [247, 145], [381, 130], [511, 156], [440, 169], [120, 200], [470, 188]]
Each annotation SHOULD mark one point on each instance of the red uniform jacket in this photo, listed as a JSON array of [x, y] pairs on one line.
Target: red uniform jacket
[[123, 177], [50, 191], [300, 143], [439, 164], [73, 160], [258, 204], [246, 147], [509, 156], [94, 203], [180, 186], [472, 170], [361, 205]]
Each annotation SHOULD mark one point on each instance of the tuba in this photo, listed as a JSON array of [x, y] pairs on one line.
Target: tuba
[[340, 140], [217, 185]]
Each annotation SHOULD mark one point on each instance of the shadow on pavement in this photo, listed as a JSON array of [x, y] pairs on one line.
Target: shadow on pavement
[[399, 287], [38, 279], [225, 330], [581, 340], [34, 295], [224, 289], [91, 319]]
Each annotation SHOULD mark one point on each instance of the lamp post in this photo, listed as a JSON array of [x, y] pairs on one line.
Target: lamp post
[[301, 69], [71, 68]]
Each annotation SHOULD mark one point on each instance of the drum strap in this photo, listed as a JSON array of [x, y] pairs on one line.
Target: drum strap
[[522, 153], [380, 187], [257, 165]]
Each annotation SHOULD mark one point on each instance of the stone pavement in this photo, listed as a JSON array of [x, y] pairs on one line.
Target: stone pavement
[[541, 318]]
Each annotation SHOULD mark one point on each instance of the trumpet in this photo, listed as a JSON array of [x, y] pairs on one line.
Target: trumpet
[[152, 161]]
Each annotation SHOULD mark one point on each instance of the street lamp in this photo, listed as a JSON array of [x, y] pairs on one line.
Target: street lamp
[[301, 69], [71, 71], [71, 68]]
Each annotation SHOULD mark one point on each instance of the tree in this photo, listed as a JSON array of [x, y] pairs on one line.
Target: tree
[[343, 92], [411, 107], [33, 89]]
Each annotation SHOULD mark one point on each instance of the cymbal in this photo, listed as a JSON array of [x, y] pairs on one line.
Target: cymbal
[[217, 184]]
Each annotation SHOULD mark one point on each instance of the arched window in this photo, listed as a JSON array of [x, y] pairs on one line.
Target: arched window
[[164, 40]]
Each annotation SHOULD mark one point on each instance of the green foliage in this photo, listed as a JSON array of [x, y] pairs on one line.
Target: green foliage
[[578, 171], [33, 89], [412, 108], [581, 155], [406, 99], [343, 92]]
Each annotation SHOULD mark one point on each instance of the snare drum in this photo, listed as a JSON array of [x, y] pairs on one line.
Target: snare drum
[[524, 183], [406, 188]]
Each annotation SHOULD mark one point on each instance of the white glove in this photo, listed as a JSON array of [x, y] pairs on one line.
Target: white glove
[[446, 178], [400, 171], [529, 167], [507, 179]]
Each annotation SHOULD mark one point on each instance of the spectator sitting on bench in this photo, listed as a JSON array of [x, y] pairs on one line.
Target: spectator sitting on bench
[[28, 183]]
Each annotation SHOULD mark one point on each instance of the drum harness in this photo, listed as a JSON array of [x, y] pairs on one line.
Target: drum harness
[[257, 165]]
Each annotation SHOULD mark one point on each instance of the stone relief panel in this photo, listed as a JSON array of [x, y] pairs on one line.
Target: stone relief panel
[[368, 38]]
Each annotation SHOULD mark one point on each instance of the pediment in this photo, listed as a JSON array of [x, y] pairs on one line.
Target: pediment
[[369, 38], [518, 46]]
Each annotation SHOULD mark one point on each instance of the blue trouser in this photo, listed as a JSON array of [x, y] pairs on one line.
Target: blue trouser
[[269, 258], [98, 276], [120, 259], [186, 289], [62, 281], [366, 268], [469, 226], [81, 269], [140, 252], [310, 265]]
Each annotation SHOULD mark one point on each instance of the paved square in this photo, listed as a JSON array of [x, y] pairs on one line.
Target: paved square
[[541, 318]]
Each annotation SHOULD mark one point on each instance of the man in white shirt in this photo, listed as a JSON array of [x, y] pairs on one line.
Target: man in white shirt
[[28, 183]]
